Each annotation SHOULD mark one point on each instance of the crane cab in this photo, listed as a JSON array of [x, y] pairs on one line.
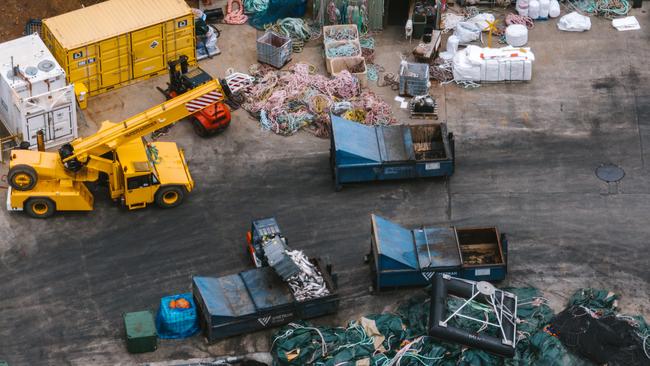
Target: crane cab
[[153, 172]]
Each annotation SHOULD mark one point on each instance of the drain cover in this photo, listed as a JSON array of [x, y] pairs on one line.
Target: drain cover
[[610, 173]]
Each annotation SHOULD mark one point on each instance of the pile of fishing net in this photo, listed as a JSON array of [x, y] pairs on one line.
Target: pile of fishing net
[[286, 101], [400, 338], [270, 11]]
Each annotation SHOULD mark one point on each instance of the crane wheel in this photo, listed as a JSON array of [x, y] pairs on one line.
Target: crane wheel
[[170, 196], [40, 208], [22, 177]]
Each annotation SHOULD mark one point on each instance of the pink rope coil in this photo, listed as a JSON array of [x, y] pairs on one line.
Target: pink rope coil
[[286, 101], [235, 17], [512, 18]]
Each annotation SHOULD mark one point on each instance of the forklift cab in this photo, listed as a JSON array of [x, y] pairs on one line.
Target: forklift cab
[[181, 79], [210, 120]]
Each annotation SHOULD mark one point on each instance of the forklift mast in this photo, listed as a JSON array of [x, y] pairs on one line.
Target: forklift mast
[[181, 79]]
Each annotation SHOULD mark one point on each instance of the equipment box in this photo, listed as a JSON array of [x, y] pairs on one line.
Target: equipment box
[[254, 300], [401, 257], [34, 95], [361, 153], [141, 335]]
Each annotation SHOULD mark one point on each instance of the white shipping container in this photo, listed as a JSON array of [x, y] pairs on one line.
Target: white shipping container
[[33, 93]]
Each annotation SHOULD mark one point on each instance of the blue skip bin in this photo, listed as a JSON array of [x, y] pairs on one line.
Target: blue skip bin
[[177, 321], [401, 257], [361, 153]]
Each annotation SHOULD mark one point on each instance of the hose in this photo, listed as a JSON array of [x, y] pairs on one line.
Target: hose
[[235, 17]]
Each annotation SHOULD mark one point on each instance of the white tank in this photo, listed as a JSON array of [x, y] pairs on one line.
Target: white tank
[[533, 9], [34, 94], [522, 7], [544, 7], [516, 35], [554, 9], [452, 44]]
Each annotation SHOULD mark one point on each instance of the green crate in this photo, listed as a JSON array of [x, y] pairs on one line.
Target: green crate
[[3, 363], [141, 335]]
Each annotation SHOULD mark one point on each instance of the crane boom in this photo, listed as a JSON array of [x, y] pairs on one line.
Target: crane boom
[[111, 135], [138, 173]]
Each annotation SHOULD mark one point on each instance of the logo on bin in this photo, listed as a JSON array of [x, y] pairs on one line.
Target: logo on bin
[[203, 101], [264, 321], [427, 275]]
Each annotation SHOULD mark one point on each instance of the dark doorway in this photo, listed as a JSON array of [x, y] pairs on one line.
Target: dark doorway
[[397, 12]]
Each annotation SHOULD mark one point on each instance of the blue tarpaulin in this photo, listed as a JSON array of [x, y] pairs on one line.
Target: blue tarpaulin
[[176, 323]]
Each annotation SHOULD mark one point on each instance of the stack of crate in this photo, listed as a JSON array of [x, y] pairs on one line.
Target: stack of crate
[[354, 63]]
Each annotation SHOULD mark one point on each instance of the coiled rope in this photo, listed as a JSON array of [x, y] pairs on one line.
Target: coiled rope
[[343, 50], [390, 79], [294, 28], [520, 19], [237, 16], [255, 6], [606, 8]]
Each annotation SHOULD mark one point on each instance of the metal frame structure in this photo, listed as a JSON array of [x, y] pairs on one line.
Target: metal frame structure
[[503, 305]]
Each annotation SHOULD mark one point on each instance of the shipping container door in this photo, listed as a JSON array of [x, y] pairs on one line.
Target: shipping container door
[[147, 51], [35, 123], [83, 67], [59, 123], [180, 38], [114, 61]]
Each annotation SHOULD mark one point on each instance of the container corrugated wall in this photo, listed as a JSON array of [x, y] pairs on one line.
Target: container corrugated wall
[[116, 42]]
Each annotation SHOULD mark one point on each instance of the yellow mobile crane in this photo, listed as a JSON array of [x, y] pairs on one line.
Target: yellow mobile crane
[[138, 172]]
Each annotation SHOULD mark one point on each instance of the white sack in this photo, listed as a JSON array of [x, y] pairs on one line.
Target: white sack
[[481, 21], [467, 32], [625, 24], [574, 22]]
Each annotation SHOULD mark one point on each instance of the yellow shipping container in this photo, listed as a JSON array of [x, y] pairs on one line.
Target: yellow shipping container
[[117, 42]]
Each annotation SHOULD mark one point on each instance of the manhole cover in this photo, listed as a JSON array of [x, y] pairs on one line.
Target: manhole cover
[[610, 173]]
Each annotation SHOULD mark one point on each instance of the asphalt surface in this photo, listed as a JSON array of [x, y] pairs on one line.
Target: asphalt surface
[[526, 155]]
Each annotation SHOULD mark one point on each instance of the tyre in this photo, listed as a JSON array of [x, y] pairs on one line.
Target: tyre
[[40, 208], [170, 196], [22, 177], [199, 129]]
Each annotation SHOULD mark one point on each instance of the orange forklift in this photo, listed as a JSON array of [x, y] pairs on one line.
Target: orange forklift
[[212, 115]]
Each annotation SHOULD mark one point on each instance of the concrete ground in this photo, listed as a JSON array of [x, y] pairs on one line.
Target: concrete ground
[[526, 155]]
